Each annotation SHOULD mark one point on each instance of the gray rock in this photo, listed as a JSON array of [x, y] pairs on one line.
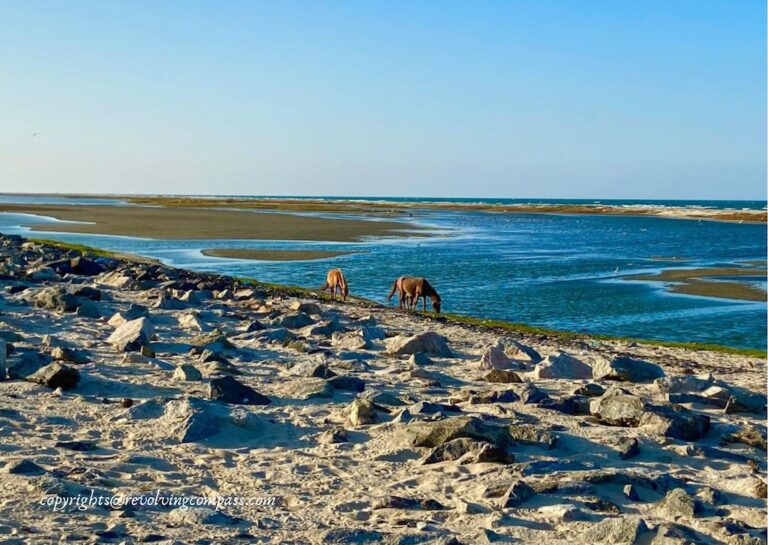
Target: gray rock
[[503, 377], [306, 307], [529, 393], [323, 329], [630, 492], [62, 353], [23, 467], [56, 375], [521, 352], [618, 410], [230, 390], [89, 309], [187, 373], [682, 384], [354, 340], [433, 434], [190, 420], [312, 369], [349, 384], [420, 358], [529, 434], [399, 502], [675, 421], [361, 412], [625, 530], [3, 359], [748, 435], [562, 365], [333, 436], [314, 388], [468, 451], [192, 516], [626, 369], [517, 493], [590, 390], [494, 357], [677, 503], [54, 298], [674, 534], [295, 321], [429, 343], [628, 447], [132, 335], [26, 363]]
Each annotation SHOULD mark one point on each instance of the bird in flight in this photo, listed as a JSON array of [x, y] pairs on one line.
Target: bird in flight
[[35, 134]]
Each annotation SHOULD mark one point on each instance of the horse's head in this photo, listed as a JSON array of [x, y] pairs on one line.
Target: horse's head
[[344, 291], [436, 304]]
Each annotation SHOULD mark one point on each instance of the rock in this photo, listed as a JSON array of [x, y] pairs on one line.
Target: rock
[[428, 407], [530, 393], [187, 372], [23, 467], [333, 436], [399, 502], [529, 434], [503, 377], [494, 357], [748, 435], [361, 412], [324, 329], [419, 358], [677, 503], [54, 298], [89, 309], [56, 375], [354, 340], [192, 321], [560, 513], [85, 267], [229, 390], [626, 369], [521, 352], [61, 353], [349, 384], [77, 446], [433, 434], [517, 493], [630, 492], [312, 369], [306, 307], [189, 420], [618, 410], [132, 335], [468, 451], [428, 342], [562, 365], [3, 358], [675, 421], [674, 534], [491, 396], [295, 321], [590, 390], [624, 530], [628, 447], [310, 389], [25, 364], [682, 384]]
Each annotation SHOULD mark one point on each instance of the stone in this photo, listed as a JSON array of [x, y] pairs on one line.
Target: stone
[[187, 372], [682, 384], [428, 342], [353, 340], [295, 321], [429, 407], [61, 353], [419, 358], [674, 534], [335, 435], [89, 309], [23, 467], [628, 447], [503, 377], [190, 420], [3, 358], [618, 410], [494, 357], [529, 393], [230, 390], [349, 384], [193, 322], [433, 434], [589, 390], [192, 516], [560, 513], [25, 364], [399, 502], [306, 307], [626, 369], [314, 388], [77, 446], [748, 435], [562, 365], [675, 421], [517, 493], [625, 530], [88, 292], [630, 492], [132, 335], [361, 412], [521, 352], [54, 298], [677, 503], [56, 375], [85, 267], [312, 369], [529, 434]]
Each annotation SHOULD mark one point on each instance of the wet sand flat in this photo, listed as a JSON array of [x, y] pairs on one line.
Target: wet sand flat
[[201, 224], [271, 255], [695, 282]]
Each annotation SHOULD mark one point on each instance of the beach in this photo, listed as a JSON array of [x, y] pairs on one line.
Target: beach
[[351, 423]]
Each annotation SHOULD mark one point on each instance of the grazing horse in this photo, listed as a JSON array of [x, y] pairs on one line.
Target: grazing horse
[[411, 289], [336, 281]]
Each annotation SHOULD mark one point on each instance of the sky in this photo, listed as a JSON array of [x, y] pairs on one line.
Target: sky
[[513, 99]]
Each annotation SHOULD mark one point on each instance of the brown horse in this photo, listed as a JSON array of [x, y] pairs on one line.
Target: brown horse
[[411, 289], [336, 281]]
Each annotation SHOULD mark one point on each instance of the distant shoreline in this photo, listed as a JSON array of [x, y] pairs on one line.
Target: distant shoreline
[[272, 255]]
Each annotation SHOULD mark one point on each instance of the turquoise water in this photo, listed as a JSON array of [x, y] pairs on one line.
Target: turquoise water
[[557, 271]]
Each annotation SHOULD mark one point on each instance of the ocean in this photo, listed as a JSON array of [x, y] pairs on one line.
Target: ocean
[[556, 271]]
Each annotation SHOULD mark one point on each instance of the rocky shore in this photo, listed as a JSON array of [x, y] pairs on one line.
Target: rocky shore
[[358, 423]]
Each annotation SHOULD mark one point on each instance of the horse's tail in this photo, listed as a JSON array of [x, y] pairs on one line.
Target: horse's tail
[[393, 290]]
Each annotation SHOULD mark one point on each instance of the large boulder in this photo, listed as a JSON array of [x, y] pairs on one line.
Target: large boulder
[[132, 335], [85, 267], [626, 369], [625, 530], [469, 451], [494, 357], [677, 503], [26, 363], [433, 434], [675, 421], [56, 375], [353, 340], [54, 298], [618, 410], [562, 365], [230, 390], [428, 342], [521, 352], [295, 321]]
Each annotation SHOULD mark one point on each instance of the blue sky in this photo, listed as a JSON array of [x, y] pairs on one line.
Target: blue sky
[[581, 99]]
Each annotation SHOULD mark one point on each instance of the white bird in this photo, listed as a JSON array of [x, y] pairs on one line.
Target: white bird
[[35, 134]]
